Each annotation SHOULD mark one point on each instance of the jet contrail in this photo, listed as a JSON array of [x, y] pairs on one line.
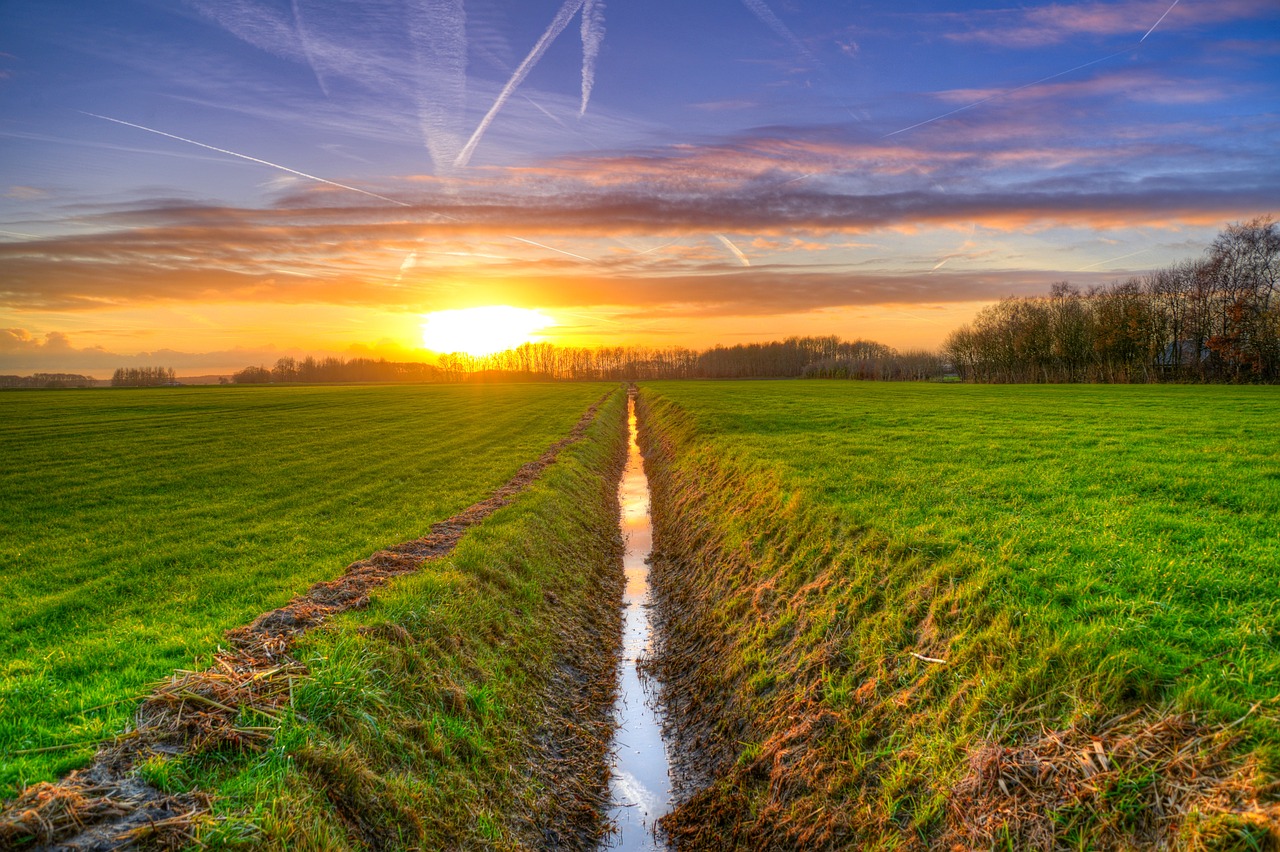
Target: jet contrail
[[1157, 23], [550, 248], [319, 179], [939, 265], [1113, 259], [731, 247], [1005, 93], [247, 157], [561, 20], [438, 31], [592, 37], [301, 30], [765, 14]]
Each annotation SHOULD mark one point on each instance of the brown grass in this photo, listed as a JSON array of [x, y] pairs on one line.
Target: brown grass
[[1141, 779]]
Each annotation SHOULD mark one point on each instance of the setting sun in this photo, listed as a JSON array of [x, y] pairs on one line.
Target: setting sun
[[482, 331]]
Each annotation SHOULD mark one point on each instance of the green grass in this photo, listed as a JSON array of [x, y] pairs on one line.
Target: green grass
[[139, 525], [1071, 551], [448, 715]]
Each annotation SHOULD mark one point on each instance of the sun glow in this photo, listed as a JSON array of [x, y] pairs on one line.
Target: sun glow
[[482, 331]]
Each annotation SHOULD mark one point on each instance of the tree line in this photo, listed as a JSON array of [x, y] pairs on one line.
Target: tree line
[[48, 380], [1214, 318], [794, 357], [338, 370], [143, 377]]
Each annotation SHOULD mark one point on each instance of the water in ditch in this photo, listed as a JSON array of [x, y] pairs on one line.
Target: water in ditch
[[640, 783]]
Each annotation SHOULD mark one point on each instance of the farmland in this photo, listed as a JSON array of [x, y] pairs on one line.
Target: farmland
[[871, 589], [138, 526], [890, 615]]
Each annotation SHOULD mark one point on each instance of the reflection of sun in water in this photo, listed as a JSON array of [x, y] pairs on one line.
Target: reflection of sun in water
[[482, 331]]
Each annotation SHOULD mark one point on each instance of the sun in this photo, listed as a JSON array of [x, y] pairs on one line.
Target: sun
[[482, 331]]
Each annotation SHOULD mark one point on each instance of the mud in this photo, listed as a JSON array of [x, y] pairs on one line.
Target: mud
[[107, 806]]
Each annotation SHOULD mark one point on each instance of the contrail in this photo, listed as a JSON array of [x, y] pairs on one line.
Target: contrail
[[247, 157], [575, 131], [939, 265], [1113, 259], [592, 37], [731, 247], [561, 20], [765, 14], [438, 30], [659, 248], [301, 30], [548, 113], [1157, 23], [318, 179], [550, 248], [1006, 93]]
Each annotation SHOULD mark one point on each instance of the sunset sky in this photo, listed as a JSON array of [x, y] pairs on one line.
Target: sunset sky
[[215, 183]]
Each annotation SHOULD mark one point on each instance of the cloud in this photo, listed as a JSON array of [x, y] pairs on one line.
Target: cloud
[[355, 256], [1055, 23], [25, 193], [1142, 85], [22, 352]]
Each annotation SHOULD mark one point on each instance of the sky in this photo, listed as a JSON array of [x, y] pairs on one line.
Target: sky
[[207, 184]]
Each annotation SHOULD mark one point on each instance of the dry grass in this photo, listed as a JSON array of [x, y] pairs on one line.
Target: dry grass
[[1142, 779]]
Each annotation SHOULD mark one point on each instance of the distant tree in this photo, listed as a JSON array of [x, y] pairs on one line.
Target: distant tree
[[252, 376]]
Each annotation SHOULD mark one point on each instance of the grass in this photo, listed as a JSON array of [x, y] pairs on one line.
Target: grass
[[468, 707], [1071, 552], [139, 525]]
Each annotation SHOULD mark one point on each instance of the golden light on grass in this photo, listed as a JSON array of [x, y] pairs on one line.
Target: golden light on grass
[[482, 331]]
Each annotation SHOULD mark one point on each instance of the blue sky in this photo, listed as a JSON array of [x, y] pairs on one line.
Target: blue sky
[[214, 183]]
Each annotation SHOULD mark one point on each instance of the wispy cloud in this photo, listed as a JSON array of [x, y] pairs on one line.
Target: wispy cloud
[[1004, 93], [1039, 26]]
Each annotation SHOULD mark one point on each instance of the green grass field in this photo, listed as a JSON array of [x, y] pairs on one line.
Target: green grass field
[[1071, 551], [138, 525]]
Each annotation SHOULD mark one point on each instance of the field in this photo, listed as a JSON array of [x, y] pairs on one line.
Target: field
[[890, 615], [139, 525], [873, 588]]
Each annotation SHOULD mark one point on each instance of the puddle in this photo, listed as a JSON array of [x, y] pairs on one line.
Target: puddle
[[640, 783]]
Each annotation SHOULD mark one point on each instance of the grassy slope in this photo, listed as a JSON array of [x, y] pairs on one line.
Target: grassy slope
[[1071, 551], [469, 707], [141, 524]]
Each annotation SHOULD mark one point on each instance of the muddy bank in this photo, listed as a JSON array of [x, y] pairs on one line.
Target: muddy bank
[[787, 735], [232, 712]]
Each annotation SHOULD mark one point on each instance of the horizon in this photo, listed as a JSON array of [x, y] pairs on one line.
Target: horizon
[[212, 186]]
